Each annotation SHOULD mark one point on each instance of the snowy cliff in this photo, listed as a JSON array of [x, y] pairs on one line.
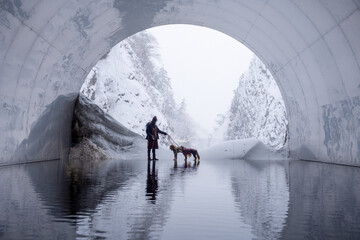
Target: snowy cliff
[[131, 84], [257, 109]]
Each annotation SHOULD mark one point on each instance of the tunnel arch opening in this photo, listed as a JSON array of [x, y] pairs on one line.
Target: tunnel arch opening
[[264, 118], [311, 48]]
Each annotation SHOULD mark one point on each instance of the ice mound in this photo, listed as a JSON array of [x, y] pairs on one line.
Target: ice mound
[[260, 151], [250, 149], [96, 134]]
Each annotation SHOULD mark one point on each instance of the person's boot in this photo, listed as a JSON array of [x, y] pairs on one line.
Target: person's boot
[[154, 155], [149, 158]]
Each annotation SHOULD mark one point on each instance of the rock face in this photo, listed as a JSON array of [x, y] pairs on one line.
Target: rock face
[[131, 84], [97, 135], [257, 109]]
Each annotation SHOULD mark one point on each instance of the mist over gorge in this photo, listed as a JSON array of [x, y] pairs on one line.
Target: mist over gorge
[[131, 84]]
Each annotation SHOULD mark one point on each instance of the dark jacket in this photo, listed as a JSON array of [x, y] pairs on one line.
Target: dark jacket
[[149, 131]]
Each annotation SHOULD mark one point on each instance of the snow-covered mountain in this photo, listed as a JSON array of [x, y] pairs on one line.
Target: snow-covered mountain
[[131, 84], [257, 109]]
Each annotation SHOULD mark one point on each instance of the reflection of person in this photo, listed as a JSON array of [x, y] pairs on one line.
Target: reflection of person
[[152, 136], [151, 182]]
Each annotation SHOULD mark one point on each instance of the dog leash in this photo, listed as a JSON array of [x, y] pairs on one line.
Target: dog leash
[[173, 141]]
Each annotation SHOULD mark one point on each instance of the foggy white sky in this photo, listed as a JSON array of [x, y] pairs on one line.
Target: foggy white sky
[[204, 66]]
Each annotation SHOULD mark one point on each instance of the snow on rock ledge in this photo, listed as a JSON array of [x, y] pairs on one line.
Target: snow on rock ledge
[[97, 135]]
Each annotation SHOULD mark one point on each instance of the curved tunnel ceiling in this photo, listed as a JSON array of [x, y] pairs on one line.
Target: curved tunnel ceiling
[[312, 48]]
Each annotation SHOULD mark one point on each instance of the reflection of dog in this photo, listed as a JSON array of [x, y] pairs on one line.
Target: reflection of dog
[[186, 151]]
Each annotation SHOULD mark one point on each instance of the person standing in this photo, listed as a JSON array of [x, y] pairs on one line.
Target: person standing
[[152, 136]]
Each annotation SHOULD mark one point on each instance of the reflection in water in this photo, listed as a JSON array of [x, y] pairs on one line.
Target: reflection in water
[[152, 181], [324, 202], [23, 212], [224, 199], [260, 190]]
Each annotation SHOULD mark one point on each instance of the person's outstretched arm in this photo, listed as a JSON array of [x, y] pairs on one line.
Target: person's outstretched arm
[[159, 131]]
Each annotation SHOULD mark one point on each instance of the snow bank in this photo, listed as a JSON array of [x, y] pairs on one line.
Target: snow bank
[[260, 151], [98, 135], [250, 149]]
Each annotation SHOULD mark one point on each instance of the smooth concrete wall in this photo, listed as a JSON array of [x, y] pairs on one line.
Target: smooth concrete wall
[[312, 47]]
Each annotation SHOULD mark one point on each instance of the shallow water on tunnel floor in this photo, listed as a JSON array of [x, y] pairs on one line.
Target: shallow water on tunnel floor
[[218, 199]]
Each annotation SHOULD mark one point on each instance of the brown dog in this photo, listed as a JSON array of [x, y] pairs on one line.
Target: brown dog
[[186, 151], [190, 151]]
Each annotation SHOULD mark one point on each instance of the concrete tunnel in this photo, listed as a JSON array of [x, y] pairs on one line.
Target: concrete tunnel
[[312, 48]]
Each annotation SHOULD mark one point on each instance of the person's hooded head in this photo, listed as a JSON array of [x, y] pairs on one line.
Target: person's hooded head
[[154, 120]]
